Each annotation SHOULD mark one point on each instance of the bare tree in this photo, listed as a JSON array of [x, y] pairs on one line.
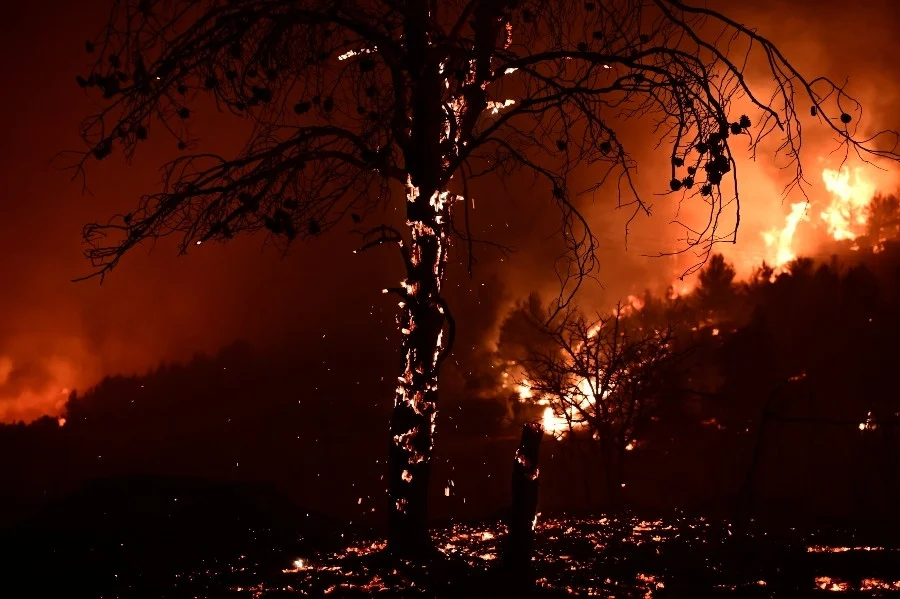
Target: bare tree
[[605, 377], [349, 101]]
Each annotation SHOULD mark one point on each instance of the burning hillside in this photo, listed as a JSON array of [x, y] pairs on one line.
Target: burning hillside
[[844, 216], [849, 219]]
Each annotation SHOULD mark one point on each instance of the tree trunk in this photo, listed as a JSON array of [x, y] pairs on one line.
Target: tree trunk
[[413, 418], [612, 458], [520, 534], [431, 139]]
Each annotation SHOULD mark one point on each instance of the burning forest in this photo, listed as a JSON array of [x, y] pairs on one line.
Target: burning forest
[[554, 298]]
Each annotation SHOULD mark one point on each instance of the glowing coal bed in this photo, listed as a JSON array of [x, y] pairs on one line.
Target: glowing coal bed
[[605, 557]]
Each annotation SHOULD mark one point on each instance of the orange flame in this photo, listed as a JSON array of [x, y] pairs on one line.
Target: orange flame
[[783, 240], [847, 214]]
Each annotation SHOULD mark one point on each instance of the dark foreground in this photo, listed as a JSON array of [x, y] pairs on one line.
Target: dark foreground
[[609, 557], [251, 546]]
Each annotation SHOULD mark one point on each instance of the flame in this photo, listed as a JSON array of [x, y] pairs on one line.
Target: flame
[[869, 424], [681, 287], [634, 304], [554, 424], [558, 423], [783, 240], [847, 214], [524, 390]]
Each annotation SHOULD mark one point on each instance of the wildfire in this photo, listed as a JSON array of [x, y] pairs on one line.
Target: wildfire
[[559, 421], [783, 240], [681, 287], [524, 390], [842, 215], [847, 214], [553, 423]]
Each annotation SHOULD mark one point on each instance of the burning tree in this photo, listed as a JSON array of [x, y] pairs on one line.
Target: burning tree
[[348, 102], [606, 377], [883, 223]]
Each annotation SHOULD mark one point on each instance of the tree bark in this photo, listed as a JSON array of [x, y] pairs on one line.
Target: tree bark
[[422, 316], [415, 403], [421, 323], [431, 139], [520, 535]]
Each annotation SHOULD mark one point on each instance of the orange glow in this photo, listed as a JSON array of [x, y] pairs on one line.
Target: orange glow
[[682, 287], [36, 398], [524, 390]]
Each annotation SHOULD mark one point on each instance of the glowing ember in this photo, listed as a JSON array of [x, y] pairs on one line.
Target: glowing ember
[[827, 549], [826, 583], [869, 424], [298, 566], [874, 584], [496, 107], [352, 53], [568, 554]]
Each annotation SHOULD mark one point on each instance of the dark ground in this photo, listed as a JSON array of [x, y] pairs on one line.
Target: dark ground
[[152, 537]]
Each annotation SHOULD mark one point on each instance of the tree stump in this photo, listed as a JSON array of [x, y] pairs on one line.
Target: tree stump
[[522, 514]]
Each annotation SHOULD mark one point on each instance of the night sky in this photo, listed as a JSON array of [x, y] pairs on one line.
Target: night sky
[[320, 300]]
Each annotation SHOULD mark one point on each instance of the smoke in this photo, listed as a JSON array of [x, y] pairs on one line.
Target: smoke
[[37, 380]]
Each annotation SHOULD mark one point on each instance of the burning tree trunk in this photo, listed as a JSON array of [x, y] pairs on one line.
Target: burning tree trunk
[[421, 321], [522, 517], [423, 310]]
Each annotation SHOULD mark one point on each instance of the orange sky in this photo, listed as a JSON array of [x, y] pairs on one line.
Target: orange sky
[[55, 335]]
